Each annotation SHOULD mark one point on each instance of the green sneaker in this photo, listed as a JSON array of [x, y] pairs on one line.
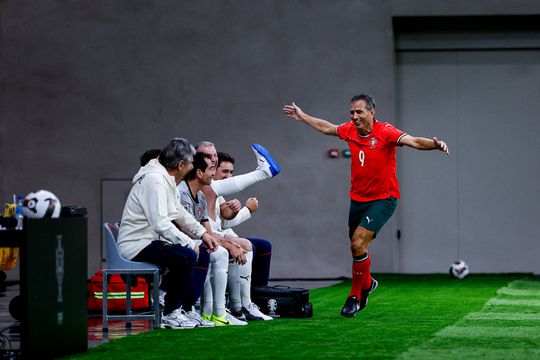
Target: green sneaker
[[220, 320], [206, 317]]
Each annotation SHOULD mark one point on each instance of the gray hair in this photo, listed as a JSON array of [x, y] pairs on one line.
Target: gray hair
[[178, 149], [368, 99], [204, 144]]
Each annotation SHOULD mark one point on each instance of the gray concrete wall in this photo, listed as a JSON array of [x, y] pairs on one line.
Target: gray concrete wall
[[86, 86]]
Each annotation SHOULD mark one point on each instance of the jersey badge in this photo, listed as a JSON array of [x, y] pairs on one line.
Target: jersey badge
[[373, 142]]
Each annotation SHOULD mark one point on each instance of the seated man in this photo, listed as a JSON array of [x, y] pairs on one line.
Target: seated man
[[193, 200], [147, 234], [262, 249], [241, 283]]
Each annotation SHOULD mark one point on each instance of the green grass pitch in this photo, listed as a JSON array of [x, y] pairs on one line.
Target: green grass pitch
[[408, 317]]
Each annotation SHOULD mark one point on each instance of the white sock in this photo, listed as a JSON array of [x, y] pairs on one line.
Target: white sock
[[237, 183], [245, 280], [207, 305], [233, 286], [218, 278]]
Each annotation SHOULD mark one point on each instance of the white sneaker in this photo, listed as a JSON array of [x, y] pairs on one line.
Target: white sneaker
[[234, 320], [265, 161], [177, 320], [252, 312], [196, 317]]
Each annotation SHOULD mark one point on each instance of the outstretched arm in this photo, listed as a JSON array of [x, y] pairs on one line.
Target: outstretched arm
[[421, 143], [323, 126]]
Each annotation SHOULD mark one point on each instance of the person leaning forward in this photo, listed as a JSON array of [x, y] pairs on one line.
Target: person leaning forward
[[147, 233]]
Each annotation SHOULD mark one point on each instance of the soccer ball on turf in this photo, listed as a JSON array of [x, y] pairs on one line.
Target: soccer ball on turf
[[459, 269], [41, 204]]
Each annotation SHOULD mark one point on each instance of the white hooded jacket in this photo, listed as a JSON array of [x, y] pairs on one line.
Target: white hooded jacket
[[150, 207]]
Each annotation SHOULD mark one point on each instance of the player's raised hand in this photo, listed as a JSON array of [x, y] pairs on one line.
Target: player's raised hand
[[293, 111], [441, 145]]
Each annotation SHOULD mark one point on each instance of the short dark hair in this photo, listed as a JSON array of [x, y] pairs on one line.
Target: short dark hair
[[199, 163], [224, 157], [149, 155], [178, 149], [368, 99]]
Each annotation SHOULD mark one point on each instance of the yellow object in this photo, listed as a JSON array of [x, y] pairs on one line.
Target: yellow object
[[8, 258], [8, 255], [9, 210]]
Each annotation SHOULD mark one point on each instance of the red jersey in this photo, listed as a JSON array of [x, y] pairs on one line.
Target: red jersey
[[373, 161]]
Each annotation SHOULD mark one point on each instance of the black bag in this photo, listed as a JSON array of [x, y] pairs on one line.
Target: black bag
[[73, 211], [283, 301]]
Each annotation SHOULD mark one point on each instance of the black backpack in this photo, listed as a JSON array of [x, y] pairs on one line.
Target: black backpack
[[283, 301]]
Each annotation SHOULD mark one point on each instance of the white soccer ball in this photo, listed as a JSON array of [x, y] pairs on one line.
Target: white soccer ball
[[41, 204], [459, 269]]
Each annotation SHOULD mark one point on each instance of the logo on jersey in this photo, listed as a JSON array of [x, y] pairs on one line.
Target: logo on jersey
[[199, 213], [368, 219], [373, 143]]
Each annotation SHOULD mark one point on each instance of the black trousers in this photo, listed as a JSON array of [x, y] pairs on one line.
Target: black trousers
[[179, 260]]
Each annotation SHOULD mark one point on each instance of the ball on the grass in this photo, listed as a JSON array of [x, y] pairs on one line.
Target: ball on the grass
[[459, 269]]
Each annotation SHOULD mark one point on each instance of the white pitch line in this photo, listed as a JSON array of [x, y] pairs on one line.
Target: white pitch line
[[501, 316], [522, 332], [428, 350], [460, 353], [525, 284], [513, 302], [518, 292]]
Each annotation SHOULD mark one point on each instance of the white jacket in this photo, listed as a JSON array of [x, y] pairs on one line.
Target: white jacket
[[150, 207]]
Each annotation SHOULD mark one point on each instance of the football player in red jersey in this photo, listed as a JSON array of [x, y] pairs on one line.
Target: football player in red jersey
[[374, 186]]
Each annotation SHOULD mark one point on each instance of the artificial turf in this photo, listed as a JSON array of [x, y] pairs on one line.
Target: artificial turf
[[408, 316]]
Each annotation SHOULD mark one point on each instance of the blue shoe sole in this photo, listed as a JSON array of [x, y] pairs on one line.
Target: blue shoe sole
[[274, 167]]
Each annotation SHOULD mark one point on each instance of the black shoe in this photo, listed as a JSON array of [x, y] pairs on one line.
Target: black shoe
[[252, 314], [239, 315], [351, 307], [365, 293]]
